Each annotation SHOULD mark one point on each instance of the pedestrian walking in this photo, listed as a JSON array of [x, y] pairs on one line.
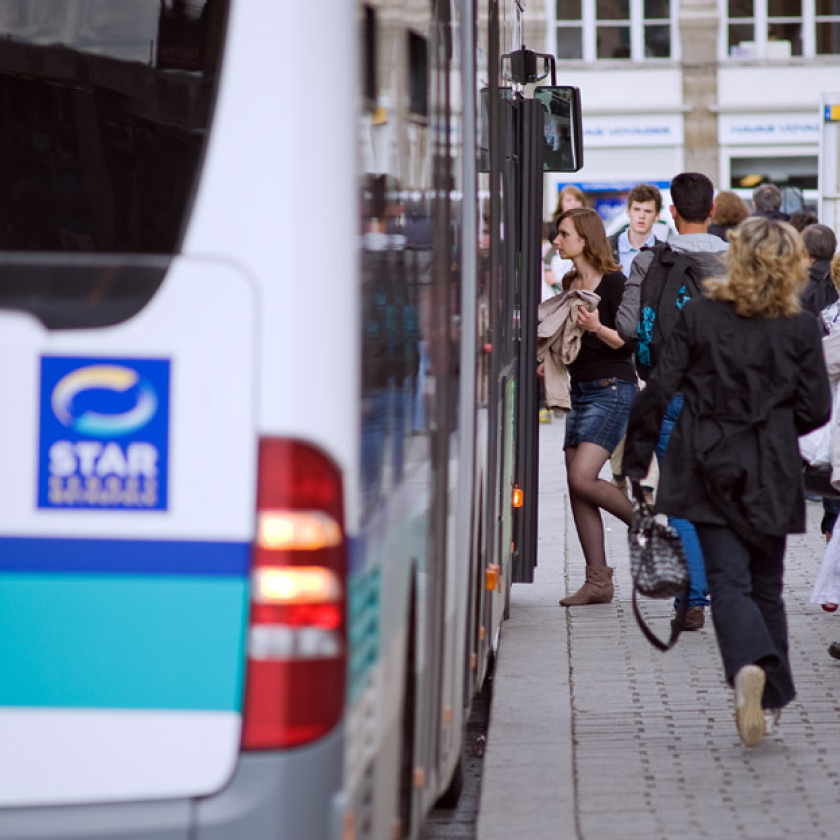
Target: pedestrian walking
[[603, 385], [662, 281], [749, 363], [644, 203], [820, 297]]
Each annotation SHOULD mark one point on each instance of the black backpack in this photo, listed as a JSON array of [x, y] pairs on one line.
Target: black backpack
[[672, 279]]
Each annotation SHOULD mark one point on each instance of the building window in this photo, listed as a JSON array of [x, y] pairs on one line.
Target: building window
[[569, 29], [827, 24], [741, 29], [595, 30], [779, 29], [657, 28], [784, 28], [612, 19]]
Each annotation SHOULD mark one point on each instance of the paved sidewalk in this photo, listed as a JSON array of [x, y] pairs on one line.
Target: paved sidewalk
[[594, 735]]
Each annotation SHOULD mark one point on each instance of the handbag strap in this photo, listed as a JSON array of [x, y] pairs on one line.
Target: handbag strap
[[676, 624]]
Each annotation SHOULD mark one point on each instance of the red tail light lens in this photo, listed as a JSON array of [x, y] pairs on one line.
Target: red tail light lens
[[294, 689]]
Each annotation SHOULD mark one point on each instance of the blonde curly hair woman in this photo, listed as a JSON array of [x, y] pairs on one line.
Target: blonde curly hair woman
[[749, 363]]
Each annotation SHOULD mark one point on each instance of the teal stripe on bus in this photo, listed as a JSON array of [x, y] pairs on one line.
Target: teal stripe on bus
[[363, 628], [122, 641]]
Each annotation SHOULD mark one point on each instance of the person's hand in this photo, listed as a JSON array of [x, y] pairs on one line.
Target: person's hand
[[588, 320], [541, 370]]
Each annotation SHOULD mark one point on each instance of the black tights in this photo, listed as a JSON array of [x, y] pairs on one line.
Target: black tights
[[588, 494]]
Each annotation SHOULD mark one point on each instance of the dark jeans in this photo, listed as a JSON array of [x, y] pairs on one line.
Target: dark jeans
[[831, 508], [747, 608], [698, 588]]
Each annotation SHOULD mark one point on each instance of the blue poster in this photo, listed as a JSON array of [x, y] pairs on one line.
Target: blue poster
[[104, 433]]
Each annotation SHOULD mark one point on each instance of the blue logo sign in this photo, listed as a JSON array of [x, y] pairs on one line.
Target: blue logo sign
[[104, 433]]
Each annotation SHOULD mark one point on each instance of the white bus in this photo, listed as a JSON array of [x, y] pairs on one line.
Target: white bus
[[265, 409]]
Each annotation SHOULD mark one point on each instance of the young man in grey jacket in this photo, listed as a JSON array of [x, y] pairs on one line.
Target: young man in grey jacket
[[693, 204]]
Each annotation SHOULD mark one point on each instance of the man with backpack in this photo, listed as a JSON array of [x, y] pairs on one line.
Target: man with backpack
[[665, 278]]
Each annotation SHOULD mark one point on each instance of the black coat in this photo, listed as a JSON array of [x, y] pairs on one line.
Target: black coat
[[722, 231], [820, 291], [751, 387]]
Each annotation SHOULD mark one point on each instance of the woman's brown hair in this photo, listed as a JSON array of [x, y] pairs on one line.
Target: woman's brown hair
[[569, 189], [596, 249], [766, 262], [730, 209]]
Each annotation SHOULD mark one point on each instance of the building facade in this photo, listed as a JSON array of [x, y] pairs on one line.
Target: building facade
[[731, 88]]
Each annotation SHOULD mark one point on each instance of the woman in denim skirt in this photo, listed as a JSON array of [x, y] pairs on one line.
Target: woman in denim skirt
[[603, 386]]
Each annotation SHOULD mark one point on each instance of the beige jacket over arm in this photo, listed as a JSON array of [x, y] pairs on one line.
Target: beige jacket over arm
[[558, 341]]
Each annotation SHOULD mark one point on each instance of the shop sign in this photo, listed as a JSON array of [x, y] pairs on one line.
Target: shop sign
[[632, 130], [768, 129]]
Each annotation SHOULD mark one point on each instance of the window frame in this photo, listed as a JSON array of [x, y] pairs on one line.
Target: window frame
[[589, 24], [761, 21]]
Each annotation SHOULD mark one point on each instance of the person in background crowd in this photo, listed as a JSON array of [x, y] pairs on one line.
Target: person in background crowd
[[802, 218], [570, 198], [730, 210], [818, 297], [767, 202], [550, 282], [749, 363], [820, 245], [603, 385], [830, 318], [644, 203]]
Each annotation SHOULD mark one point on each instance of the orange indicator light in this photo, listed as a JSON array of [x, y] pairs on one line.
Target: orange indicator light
[[518, 497]]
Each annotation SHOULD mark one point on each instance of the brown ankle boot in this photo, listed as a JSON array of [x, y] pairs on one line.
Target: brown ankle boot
[[598, 588]]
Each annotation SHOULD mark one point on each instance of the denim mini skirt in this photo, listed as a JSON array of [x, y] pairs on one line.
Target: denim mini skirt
[[600, 409]]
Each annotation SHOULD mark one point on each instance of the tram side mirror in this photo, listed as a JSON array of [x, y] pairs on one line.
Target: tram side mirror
[[563, 128]]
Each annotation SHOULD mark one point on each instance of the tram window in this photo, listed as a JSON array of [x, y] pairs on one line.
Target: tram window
[[484, 126], [418, 76], [369, 67], [105, 111], [563, 130]]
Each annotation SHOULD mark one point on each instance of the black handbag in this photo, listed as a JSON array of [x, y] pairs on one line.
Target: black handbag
[[817, 479], [657, 565]]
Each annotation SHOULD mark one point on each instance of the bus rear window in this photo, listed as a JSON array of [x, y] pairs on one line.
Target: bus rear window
[[104, 112]]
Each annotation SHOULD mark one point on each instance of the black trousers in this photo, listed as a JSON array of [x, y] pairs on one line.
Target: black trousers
[[745, 585]]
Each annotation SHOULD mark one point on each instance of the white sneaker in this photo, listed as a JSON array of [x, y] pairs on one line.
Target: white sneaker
[[771, 719], [749, 716]]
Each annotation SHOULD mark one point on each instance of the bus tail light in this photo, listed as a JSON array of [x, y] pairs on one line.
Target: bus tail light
[[294, 687]]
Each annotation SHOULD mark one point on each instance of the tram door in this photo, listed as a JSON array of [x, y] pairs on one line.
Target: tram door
[[523, 173], [544, 134]]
